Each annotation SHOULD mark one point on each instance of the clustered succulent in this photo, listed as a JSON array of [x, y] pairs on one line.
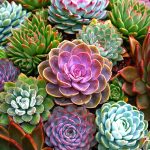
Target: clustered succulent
[[106, 37], [69, 16], [70, 128], [30, 45], [77, 73], [11, 16], [26, 101], [120, 126]]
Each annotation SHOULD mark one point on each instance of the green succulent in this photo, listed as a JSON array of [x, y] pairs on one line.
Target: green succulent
[[131, 17], [31, 43], [26, 101], [106, 37], [2, 54]]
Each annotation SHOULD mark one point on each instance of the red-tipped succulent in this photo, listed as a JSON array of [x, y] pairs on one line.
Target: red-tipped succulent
[[76, 73], [138, 77]]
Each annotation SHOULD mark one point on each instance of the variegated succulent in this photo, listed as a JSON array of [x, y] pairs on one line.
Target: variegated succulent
[[77, 73]]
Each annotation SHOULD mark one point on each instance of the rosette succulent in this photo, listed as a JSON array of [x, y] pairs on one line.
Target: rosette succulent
[[121, 126], [30, 45], [130, 17], [106, 37], [11, 16], [137, 78], [69, 16], [26, 101], [77, 73], [70, 128], [8, 72]]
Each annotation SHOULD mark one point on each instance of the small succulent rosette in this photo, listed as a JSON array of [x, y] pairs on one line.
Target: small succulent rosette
[[26, 102], [120, 126], [70, 128]]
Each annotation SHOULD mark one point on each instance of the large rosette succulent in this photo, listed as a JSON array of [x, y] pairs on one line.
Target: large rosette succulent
[[30, 45], [121, 126], [69, 16], [8, 72], [76, 71], [26, 101], [130, 17], [11, 16], [70, 128]]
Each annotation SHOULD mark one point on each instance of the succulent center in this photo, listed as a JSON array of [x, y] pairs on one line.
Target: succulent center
[[70, 132], [23, 102]]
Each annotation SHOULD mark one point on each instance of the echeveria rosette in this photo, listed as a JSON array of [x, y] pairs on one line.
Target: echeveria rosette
[[26, 101], [106, 37], [11, 16], [8, 72], [70, 128], [69, 16], [121, 126], [77, 73], [30, 44]]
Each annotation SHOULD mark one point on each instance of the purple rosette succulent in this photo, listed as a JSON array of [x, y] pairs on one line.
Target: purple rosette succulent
[[77, 73], [70, 128], [8, 72]]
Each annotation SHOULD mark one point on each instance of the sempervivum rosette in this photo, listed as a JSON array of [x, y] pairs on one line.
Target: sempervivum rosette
[[70, 128], [71, 15], [8, 72], [121, 126], [76, 73]]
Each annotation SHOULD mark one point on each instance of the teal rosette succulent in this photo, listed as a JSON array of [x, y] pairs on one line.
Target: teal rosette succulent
[[11, 16], [26, 101], [121, 126]]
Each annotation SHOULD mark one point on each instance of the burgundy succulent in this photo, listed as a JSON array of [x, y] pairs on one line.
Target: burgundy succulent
[[8, 72], [70, 128], [76, 73]]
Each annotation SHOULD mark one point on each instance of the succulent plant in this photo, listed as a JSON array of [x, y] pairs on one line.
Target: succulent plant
[[76, 73], [34, 4], [146, 2], [69, 16], [106, 37], [146, 142], [8, 72], [130, 17], [138, 77], [26, 101], [2, 54], [121, 126], [70, 128], [11, 16], [30, 45], [14, 138]]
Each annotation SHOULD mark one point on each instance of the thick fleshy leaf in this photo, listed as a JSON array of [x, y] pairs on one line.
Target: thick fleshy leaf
[[106, 71], [105, 94], [127, 88], [42, 66], [68, 92], [81, 86], [67, 46], [63, 101], [53, 62]]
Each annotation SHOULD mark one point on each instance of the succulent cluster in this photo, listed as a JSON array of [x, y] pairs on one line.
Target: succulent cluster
[[69, 16], [31, 43], [121, 126], [26, 101], [106, 37], [76, 73], [70, 128]]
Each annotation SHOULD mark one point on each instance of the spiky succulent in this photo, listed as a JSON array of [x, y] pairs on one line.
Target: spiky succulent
[[106, 37], [130, 17], [26, 101], [146, 2], [69, 16], [8, 72], [138, 77], [76, 73], [33, 4], [70, 128], [30, 45], [121, 126], [11, 16]]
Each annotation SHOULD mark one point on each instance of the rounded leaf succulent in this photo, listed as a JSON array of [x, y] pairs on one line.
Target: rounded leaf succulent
[[26, 101], [121, 126], [69, 16], [77, 73], [106, 37], [11, 16], [70, 128]]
